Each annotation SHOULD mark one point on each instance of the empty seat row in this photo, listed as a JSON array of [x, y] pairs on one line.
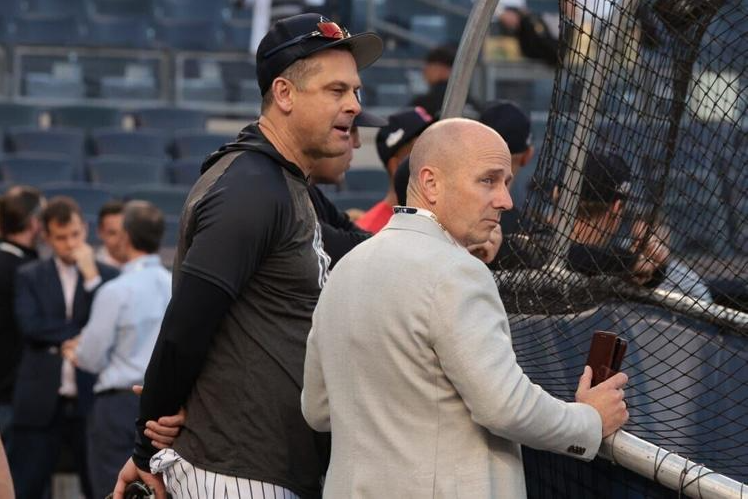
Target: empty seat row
[[113, 141], [137, 33], [91, 117], [120, 172]]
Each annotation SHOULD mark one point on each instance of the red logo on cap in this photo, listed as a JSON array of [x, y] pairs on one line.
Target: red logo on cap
[[423, 114], [328, 29]]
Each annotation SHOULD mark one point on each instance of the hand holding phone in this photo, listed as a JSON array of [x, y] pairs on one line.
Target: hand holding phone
[[606, 355]]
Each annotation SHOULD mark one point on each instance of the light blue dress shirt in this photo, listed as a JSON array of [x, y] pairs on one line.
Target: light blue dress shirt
[[125, 320]]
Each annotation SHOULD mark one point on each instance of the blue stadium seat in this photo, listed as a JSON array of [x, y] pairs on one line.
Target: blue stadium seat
[[184, 171], [44, 29], [169, 199], [36, 168], [191, 9], [170, 119], [74, 8], [12, 8], [13, 114], [236, 34], [114, 31], [86, 117], [124, 172], [203, 90], [137, 83], [198, 143], [188, 34], [372, 180], [171, 231], [363, 200], [123, 8], [139, 142], [65, 80], [90, 198], [69, 142]]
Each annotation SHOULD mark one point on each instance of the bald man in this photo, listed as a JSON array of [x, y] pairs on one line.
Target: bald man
[[414, 373]]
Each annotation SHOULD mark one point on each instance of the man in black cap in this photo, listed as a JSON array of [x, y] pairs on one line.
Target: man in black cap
[[605, 187], [247, 275], [394, 142], [436, 73]]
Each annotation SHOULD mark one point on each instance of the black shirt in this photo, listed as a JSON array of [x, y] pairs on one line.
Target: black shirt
[[11, 257], [247, 276], [339, 234]]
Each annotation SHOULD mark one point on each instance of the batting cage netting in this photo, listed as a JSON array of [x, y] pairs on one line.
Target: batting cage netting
[[637, 223]]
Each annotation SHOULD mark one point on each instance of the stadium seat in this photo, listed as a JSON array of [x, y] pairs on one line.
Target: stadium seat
[[11, 8], [90, 198], [169, 199], [371, 180], [198, 143], [363, 200], [191, 9], [73, 8], [185, 171], [139, 142], [64, 81], [85, 117], [13, 114], [202, 90], [124, 172], [170, 119], [171, 231], [69, 142], [236, 34], [189, 34], [45, 29], [114, 31], [138, 82], [123, 8], [36, 168], [249, 92]]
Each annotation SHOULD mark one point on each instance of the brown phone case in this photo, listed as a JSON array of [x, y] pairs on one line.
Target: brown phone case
[[606, 355]]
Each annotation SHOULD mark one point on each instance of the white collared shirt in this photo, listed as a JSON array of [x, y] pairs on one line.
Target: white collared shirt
[[68, 274]]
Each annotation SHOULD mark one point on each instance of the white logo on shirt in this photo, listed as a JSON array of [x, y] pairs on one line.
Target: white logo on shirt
[[322, 258]]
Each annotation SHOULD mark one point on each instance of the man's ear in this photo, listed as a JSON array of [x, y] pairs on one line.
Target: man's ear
[[283, 94], [428, 178]]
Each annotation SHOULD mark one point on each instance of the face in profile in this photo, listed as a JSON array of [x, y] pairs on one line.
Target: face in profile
[[66, 238], [476, 192], [323, 111], [110, 233]]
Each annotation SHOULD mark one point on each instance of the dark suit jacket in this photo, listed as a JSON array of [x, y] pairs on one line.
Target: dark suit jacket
[[40, 314]]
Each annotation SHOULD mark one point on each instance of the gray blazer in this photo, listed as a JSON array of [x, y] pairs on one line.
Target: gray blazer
[[410, 364]]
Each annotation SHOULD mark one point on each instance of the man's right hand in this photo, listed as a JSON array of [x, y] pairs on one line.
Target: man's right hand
[[130, 473], [606, 398]]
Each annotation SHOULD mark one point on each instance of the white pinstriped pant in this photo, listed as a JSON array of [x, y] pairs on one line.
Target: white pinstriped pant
[[185, 481]]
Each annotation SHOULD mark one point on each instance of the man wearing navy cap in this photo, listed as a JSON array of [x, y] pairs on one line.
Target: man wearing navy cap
[[247, 275], [394, 142], [606, 184]]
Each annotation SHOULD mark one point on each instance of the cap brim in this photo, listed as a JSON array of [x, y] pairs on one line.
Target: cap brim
[[366, 119], [366, 48]]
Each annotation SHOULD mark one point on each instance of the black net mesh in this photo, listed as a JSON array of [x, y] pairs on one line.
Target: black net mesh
[[657, 90]]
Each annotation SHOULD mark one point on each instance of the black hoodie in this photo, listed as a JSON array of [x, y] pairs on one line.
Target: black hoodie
[[247, 276]]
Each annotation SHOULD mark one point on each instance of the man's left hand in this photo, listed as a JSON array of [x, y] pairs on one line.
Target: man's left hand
[[68, 349], [487, 251]]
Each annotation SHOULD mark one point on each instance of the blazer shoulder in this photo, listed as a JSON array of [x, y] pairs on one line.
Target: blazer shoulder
[[34, 268], [107, 272]]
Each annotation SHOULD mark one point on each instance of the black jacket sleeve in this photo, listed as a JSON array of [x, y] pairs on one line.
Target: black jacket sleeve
[[339, 234], [193, 316]]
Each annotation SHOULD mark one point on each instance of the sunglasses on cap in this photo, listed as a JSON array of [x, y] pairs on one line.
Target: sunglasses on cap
[[325, 29]]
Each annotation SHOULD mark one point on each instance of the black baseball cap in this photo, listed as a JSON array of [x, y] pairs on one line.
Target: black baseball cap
[[366, 119], [401, 127], [297, 37], [511, 123], [606, 178]]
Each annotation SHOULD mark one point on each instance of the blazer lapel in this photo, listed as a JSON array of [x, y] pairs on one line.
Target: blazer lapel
[[54, 288]]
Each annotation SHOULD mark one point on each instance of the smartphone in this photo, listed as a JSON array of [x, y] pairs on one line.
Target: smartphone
[[606, 355]]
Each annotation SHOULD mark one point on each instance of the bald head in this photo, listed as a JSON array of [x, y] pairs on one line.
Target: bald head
[[459, 170], [452, 144]]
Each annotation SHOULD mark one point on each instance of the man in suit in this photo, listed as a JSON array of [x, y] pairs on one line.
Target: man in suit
[[53, 299], [415, 374]]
